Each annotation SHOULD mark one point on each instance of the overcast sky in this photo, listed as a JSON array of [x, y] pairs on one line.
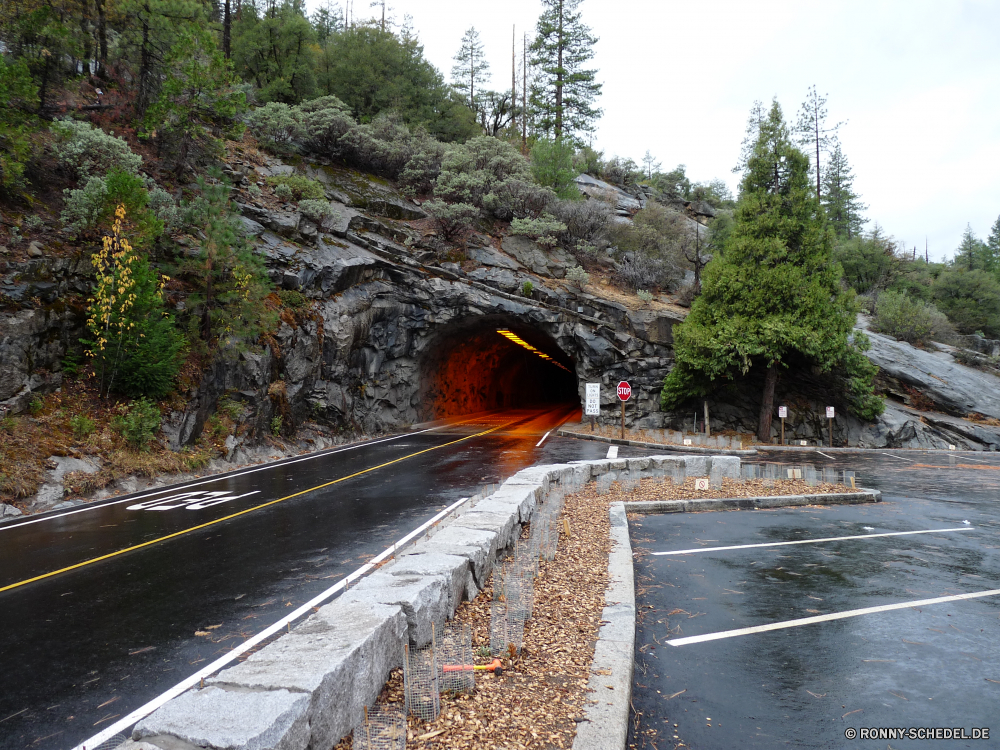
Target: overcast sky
[[915, 79]]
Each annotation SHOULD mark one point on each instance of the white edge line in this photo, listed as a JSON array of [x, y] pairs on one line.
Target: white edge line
[[892, 456], [823, 454], [810, 541], [144, 711], [826, 618], [543, 438], [209, 480]]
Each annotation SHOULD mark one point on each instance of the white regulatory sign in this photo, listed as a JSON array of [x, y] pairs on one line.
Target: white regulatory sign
[[782, 412], [593, 400], [829, 412]]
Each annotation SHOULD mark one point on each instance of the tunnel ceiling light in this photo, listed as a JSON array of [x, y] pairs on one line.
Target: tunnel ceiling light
[[515, 339]]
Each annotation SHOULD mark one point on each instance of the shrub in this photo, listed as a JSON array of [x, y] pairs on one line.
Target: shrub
[[422, 170], [552, 166], [299, 187], [620, 171], [162, 204], [644, 296], [138, 424], [315, 210], [33, 223], [517, 198], [452, 219], [383, 146], [276, 425], [586, 221], [274, 125], [490, 174], [35, 406], [527, 288], [542, 230], [637, 271], [321, 123], [907, 319], [578, 276], [971, 299], [87, 151], [283, 192], [93, 205], [82, 426], [84, 206]]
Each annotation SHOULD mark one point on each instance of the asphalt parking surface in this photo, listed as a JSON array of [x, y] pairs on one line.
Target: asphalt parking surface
[[921, 666]]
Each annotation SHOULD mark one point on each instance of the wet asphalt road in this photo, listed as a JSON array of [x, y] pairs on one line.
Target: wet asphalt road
[[931, 666], [80, 649]]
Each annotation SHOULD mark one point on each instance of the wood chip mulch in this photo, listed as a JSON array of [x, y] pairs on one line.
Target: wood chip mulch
[[658, 489], [540, 698]]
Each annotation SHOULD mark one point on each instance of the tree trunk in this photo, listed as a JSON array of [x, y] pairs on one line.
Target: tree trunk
[[559, 76], [102, 37], [767, 404], [227, 25]]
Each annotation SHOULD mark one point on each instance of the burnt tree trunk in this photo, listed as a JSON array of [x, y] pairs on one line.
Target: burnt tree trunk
[[767, 404], [227, 25]]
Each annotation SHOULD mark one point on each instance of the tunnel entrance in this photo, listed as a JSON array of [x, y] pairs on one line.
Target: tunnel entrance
[[495, 363]]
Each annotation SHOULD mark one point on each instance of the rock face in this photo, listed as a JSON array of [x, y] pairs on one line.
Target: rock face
[[956, 389]]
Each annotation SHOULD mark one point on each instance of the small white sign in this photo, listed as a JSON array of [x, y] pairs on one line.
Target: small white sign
[[951, 447], [593, 400], [687, 441], [803, 442], [830, 412], [701, 484], [782, 412]]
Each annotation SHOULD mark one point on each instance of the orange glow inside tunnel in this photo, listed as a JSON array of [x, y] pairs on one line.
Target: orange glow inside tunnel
[[486, 366]]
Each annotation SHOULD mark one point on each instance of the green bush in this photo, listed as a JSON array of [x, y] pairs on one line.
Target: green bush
[[301, 187], [452, 218], [86, 151], [971, 300], [94, 204], [578, 276], [527, 288], [82, 426], [283, 192], [138, 424], [35, 406], [273, 125], [644, 296], [552, 166], [276, 425], [315, 210], [543, 229], [321, 123], [18, 98], [907, 319]]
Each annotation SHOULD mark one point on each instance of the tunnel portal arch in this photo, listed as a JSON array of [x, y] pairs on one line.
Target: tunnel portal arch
[[494, 362]]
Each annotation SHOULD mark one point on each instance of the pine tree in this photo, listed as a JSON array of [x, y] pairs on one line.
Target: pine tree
[[993, 246], [843, 206], [973, 254], [471, 67], [773, 298], [564, 92], [814, 134]]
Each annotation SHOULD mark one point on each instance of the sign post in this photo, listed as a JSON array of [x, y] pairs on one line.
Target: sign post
[[829, 415], [593, 403], [624, 394], [782, 412]]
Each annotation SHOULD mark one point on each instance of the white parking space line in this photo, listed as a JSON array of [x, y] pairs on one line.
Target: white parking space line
[[543, 438], [230, 656], [613, 451], [824, 455], [809, 541], [826, 618], [899, 457]]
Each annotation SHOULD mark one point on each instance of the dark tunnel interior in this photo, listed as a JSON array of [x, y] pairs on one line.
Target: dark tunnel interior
[[495, 363]]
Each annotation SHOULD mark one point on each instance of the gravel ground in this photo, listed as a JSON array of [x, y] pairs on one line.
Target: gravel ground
[[540, 697]]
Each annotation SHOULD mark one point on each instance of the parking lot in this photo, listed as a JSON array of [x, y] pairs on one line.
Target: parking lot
[[882, 616]]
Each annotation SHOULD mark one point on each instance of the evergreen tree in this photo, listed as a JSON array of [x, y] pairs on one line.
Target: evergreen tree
[[813, 132], [843, 206], [564, 91], [973, 254], [773, 298], [993, 245], [471, 67], [276, 51]]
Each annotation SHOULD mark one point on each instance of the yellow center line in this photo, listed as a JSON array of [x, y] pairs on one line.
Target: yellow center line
[[248, 510]]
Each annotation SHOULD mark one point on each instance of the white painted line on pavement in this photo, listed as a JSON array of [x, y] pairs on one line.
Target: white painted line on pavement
[[826, 618], [613, 451], [209, 480], [809, 541], [823, 454], [543, 438], [899, 457], [146, 710]]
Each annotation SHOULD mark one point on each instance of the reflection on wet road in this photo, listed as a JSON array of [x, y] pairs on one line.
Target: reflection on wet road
[[859, 659], [223, 558]]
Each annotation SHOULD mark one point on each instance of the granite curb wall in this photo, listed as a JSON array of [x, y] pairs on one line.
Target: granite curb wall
[[307, 689]]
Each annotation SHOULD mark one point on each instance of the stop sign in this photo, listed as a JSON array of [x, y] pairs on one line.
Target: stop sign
[[624, 391]]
